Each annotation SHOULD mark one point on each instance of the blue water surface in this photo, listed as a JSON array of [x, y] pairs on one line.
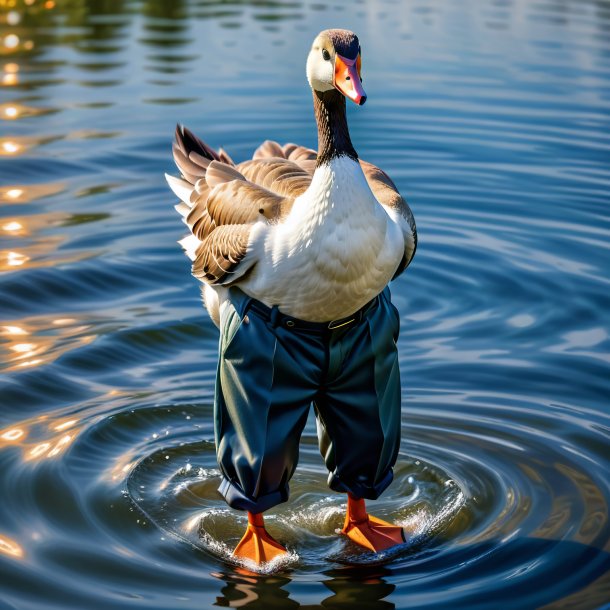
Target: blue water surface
[[492, 117]]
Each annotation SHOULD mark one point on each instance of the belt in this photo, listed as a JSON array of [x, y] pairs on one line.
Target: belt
[[277, 318]]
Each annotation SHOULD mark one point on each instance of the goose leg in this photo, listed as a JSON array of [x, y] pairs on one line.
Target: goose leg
[[368, 531], [257, 544]]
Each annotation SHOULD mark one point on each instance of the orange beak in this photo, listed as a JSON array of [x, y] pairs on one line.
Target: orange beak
[[347, 78]]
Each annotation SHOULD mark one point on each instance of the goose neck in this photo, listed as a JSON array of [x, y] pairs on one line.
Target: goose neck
[[333, 133]]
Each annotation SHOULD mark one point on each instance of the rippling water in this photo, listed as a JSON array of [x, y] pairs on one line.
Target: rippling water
[[493, 117]]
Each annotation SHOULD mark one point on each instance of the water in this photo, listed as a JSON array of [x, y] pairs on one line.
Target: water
[[493, 117]]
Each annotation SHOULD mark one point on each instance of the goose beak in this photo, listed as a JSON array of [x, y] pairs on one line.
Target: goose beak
[[347, 78]]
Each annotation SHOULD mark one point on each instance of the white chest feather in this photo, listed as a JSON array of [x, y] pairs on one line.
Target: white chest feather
[[336, 250]]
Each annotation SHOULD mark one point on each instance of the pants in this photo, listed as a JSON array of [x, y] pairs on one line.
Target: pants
[[273, 367]]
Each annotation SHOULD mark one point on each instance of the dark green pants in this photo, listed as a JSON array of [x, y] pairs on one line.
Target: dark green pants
[[270, 371]]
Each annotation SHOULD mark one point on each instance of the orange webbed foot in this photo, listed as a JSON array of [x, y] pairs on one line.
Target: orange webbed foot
[[375, 534], [368, 531], [257, 544]]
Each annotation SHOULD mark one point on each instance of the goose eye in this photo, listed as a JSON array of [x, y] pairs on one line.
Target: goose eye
[[325, 55]]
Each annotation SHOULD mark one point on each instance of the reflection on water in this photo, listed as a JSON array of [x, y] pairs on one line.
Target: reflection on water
[[33, 342], [39, 438], [10, 547], [493, 119], [25, 193], [242, 589]]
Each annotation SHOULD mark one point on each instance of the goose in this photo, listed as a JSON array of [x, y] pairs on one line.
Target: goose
[[313, 237]]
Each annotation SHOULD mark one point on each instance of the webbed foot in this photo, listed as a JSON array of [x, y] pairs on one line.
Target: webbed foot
[[368, 531], [257, 544]]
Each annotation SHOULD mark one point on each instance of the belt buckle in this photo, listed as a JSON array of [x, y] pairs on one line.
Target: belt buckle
[[334, 324]]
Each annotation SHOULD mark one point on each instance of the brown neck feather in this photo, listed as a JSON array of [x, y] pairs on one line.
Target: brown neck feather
[[333, 133]]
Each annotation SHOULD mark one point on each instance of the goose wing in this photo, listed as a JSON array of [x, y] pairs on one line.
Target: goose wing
[[222, 202], [387, 194]]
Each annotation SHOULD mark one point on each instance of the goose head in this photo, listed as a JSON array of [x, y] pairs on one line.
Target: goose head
[[334, 63]]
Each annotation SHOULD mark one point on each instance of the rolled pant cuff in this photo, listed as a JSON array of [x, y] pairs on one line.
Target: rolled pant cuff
[[236, 498], [358, 489]]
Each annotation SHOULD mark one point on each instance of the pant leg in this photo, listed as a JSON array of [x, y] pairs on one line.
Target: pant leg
[[359, 407], [265, 384]]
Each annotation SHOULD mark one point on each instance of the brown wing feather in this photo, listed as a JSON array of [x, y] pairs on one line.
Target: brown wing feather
[[239, 202], [387, 194], [220, 253], [304, 157], [268, 148], [223, 156], [228, 199], [198, 219], [278, 175], [299, 153]]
